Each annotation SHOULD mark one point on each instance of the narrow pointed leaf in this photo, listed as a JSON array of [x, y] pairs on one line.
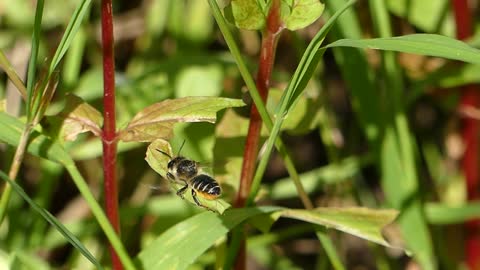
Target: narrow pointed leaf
[[423, 44], [53, 221], [362, 222], [298, 14], [157, 120]]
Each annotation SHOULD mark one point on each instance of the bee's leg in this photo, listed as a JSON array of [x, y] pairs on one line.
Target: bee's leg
[[195, 199], [181, 191]]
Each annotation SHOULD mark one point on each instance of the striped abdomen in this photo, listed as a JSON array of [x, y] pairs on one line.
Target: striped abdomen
[[206, 186]]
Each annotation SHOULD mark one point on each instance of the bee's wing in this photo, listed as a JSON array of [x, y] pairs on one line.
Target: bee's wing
[[205, 167]]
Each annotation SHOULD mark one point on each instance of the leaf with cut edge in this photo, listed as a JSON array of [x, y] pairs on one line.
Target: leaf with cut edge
[[180, 246], [245, 14], [158, 155], [359, 221], [53, 221], [77, 117], [157, 120], [423, 44], [298, 14]]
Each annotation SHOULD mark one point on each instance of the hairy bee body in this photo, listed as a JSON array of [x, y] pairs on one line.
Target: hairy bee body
[[187, 172]]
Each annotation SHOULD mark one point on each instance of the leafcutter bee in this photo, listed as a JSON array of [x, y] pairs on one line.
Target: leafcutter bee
[[188, 172]]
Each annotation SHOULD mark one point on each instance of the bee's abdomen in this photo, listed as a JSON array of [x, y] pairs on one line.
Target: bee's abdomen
[[206, 186]]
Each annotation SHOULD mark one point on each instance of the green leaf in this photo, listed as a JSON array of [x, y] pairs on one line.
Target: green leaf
[[72, 28], [53, 221], [156, 121], [423, 44], [182, 244], [414, 12], [443, 214], [77, 117], [39, 145], [359, 221], [298, 14], [159, 153], [42, 146], [245, 14]]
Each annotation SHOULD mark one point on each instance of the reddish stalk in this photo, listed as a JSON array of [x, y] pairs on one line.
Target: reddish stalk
[[109, 131], [266, 61], [470, 132]]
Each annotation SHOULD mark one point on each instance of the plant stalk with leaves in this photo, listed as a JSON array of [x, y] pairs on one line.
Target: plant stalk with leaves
[[109, 139], [266, 61], [38, 98]]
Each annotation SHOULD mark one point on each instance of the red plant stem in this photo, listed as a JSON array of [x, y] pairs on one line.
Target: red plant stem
[[266, 61], [470, 132], [109, 132]]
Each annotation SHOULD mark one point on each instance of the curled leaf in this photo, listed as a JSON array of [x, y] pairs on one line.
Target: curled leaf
[[158, 155], [156, 121], [77, 117]]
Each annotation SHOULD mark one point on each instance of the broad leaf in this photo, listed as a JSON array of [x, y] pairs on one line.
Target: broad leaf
[[158, 155], [362, 222], [157, 120], [182, 244], [245, 14], [178, 247], [298, 14], [77, 117]]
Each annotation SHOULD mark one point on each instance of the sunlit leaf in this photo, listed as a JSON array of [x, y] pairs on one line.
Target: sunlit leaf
[[423, 44], [77, 117], [245, 14], [298, 14], [158, 155], [182, 244], [362, 222], [157, 120]]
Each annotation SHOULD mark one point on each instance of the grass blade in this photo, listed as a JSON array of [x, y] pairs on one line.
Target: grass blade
[[53, 221], [70, 32], [422, 44]]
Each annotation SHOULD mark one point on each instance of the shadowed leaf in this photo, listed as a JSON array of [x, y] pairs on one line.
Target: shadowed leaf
[[157, 120], [54, 222], [77, 117]]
